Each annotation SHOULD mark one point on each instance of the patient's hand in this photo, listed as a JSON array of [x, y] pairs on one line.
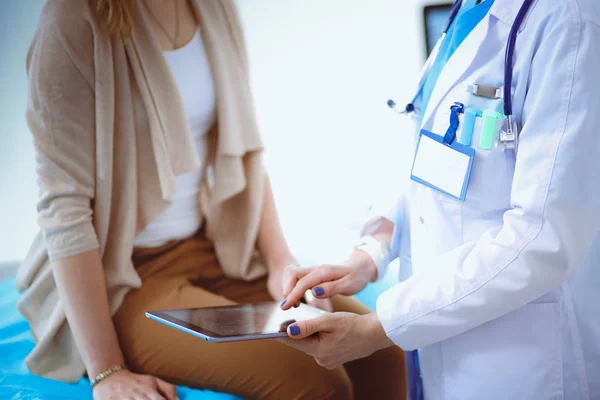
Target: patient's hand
[[327, 280], [275, 284], [125, 385]]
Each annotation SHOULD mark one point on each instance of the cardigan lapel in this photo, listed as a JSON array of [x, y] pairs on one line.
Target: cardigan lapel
[[237, 132], [232, 194], [172, 142]]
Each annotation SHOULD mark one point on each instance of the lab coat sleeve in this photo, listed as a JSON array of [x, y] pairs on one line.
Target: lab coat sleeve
[[395, 214], [369, 227], [555, 200]]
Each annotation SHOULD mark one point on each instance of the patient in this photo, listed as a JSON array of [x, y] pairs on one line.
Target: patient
[[153, 196]]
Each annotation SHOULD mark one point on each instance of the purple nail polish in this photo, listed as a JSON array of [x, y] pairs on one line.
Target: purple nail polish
[[294, 330], [319, 291]]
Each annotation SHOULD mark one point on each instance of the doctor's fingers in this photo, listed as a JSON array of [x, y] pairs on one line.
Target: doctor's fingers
[[318, 276], [308, 346], [291, 275], [307, 328], [343, 286]]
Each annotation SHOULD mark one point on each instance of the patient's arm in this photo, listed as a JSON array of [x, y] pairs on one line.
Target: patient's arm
[[272, 244], [80, 282], [271, 241]]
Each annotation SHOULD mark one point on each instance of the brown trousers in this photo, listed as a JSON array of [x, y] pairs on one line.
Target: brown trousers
[[186, 274]]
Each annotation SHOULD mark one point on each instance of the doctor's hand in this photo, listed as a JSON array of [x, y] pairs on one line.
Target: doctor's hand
[[335, 339], [276, 281], [327, 280]]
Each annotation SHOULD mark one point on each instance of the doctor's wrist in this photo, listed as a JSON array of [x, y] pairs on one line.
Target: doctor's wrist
[[378, 251], [374, 333], [361, 260]]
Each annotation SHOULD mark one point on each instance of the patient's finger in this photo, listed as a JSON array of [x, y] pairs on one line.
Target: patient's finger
[[168, 390]]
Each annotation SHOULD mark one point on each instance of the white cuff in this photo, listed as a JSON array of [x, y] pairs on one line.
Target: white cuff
[[378, 251]]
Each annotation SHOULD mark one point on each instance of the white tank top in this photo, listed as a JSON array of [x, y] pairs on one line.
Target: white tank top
[[191, 70]]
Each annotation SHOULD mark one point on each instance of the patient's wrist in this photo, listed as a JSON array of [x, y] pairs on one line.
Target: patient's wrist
[[106, 374], [100, 365], [279, 262], [280, 265]]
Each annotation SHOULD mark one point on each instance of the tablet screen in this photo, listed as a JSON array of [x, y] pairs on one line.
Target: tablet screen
[[256, 320]]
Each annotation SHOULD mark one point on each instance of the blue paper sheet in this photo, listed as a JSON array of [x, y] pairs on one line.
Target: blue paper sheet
[[16, 341]]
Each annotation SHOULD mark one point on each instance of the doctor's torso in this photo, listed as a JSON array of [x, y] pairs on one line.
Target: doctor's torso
[[544, 349], [439, 222]]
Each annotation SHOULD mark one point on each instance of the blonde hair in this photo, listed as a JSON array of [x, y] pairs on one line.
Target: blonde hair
[[117, 14]]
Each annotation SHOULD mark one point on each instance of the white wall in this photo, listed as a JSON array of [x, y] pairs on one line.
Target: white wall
[[18, 191], [322, 71]]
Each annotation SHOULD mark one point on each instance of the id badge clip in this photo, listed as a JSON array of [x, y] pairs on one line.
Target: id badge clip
[[441, 162]]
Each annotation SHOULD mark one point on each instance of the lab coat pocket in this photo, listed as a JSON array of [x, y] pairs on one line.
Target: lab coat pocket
[[491, 177], [517, 356]]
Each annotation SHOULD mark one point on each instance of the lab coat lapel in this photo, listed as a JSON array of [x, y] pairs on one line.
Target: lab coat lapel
[[507, 10], [457, 67]]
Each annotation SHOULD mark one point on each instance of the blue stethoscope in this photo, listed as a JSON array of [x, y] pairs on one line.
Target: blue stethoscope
[[508, 136]]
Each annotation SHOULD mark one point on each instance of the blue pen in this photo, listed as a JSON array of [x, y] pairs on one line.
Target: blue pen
[[466, 134]]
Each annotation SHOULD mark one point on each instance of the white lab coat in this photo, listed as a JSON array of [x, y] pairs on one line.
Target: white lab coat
[[504, 297]]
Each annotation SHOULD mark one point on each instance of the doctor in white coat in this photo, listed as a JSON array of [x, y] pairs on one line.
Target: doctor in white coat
[[504, 297]]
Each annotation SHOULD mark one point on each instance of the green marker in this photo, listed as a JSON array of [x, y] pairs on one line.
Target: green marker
[[488, 132]]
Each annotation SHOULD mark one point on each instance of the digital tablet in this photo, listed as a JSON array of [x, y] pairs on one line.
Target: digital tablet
[[235, 323]]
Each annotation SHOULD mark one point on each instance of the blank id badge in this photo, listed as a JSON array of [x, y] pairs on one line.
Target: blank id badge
[[445, 167]]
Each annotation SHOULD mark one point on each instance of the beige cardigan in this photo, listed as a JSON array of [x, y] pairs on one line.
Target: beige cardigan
[[110, 136]]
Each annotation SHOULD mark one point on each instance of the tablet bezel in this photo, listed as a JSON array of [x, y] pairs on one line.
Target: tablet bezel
[[206, 334]]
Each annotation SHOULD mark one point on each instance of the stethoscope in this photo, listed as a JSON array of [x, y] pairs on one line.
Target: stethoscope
[[508, 136]]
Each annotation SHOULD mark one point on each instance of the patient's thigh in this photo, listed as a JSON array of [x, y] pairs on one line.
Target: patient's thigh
[[348, 304], [262, 369]]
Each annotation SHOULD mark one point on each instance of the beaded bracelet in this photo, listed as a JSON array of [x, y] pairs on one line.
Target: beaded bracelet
[[105, 374]]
